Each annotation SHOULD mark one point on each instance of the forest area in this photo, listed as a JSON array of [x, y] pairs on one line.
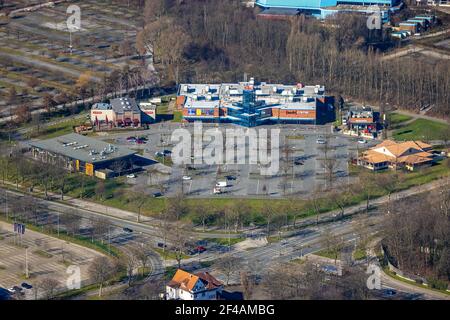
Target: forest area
[[212, 41], [417, 237]]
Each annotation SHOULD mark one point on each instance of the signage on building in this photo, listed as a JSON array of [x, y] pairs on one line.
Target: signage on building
[[90, 169]]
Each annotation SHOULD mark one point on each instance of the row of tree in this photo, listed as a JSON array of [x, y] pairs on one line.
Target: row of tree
[[210, 41]]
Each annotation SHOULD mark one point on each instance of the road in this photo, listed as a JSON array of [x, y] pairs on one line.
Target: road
[[300, 243]]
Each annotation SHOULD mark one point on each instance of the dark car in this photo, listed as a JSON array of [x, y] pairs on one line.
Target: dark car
[[157, 195], [26, 285], [131, 139], [167, 152], [127, 230], [200, 249], [298, 162], [389, 292], [231, 177], [162, 245]]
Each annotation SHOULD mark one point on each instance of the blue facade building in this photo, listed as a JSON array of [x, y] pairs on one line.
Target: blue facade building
[[324, 8]]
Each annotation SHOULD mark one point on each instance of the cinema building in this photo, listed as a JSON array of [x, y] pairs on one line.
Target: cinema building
[[251, 104]]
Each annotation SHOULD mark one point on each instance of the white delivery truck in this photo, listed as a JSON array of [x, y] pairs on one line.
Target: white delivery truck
[[221, 184]]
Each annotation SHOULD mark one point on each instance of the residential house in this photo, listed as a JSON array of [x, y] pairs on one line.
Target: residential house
[[188, 286], [395, 155]]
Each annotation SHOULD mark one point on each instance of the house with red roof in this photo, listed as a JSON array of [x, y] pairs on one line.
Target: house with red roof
[[188, 286]]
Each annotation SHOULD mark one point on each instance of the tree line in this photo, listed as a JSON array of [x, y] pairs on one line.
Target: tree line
[[211, 41]]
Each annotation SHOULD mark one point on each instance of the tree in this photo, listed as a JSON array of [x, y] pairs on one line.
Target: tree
[[247, 284], [71, 222], [22, 114], [152, 289], [179, 238], [129, 262], [100, 227], [33, 82], [101, 270], [11, 96], [228, 265], [48, 102], [388, 182], [48, 286], [141, 253]]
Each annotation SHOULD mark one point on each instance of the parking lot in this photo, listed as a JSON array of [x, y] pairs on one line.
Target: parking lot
[[48, 257], [299, 175]]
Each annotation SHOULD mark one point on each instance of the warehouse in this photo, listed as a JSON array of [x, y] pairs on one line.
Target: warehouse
[[83, 154], [250, 103]]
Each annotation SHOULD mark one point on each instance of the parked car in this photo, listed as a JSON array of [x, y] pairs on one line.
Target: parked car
[[221, 184], [298, 162], [362, 141], [320, 141], [187, 178], [26, 286], [167, 152], [162, 245], [159, 154], [127, 230], [157, 195], [217, 190], [231, 177], [140, 141], [200, 249], [131, 176]]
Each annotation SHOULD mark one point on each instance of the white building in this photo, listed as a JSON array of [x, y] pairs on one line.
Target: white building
[[102, 112], [188, 286]]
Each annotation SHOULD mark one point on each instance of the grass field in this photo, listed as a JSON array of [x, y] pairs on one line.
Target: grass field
[[421, 129], [58, 129], [396, 118]]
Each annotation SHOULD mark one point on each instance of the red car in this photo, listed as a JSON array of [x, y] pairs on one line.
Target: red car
[[200, 249]]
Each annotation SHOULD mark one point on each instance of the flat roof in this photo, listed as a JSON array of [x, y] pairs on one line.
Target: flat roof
[[85, 149], [121, 105]]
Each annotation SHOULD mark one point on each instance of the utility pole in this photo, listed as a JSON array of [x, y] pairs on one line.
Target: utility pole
[[6, 204], [109, 240], [26, 264]]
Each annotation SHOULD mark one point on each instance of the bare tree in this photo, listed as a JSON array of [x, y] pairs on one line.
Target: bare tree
[[229, 265], [101, 270], [48, 286]]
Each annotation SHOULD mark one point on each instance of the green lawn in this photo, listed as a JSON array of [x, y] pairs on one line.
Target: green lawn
[[58, 129], [330, 254], [169, 255], [224, 241], [359, 254], [395, 276], [421, 129], [396, 118]]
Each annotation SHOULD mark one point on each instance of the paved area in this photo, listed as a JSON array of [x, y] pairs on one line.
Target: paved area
[[47, 257], [291, 179]]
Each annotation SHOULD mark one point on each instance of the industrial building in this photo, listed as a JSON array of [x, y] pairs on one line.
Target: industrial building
[[250, 104], [76, 152], [322, 9]]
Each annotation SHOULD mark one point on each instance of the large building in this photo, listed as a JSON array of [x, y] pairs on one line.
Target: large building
[[324, 8], [188, 286], [250, 104], [80, 153]]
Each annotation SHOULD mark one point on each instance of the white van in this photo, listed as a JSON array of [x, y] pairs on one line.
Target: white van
[[221, 184]]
